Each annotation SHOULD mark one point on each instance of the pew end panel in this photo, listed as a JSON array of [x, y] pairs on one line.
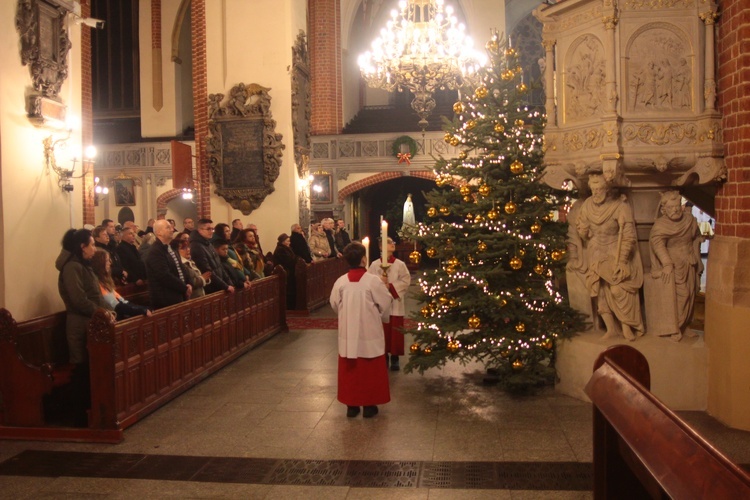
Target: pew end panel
[[644, 450]]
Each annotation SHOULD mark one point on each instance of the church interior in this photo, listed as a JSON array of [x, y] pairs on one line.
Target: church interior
[[262, 112]]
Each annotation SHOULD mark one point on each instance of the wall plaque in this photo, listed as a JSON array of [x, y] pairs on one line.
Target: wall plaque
[[244, 149]]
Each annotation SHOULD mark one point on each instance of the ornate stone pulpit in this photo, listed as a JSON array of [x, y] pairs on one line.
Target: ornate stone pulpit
[[631, 98]]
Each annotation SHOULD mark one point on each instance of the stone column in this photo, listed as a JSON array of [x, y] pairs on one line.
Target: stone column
[[709, 86], [549, 82], [609, 47]]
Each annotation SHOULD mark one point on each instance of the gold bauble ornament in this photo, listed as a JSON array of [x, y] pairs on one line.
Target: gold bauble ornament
[[492, 214], [455, 141], [484, 190], [452, 346], [444, 300], [521, 252], [415, 257], [516, 167], [507, 74], [445, 210], [427, 350], [452, 303], [518, 365], [499, 128], [503, 302], [516, 263], [468, 198], [479, 219], [520, 328], [510, 208], [471, 124], [431, 252], [510, 52], [536, 227], [539, 269], [557, 255], [481, 92], [458, 107], [520, 123], [474, 321], [469, 217], [425, 311], [462, 155], [522, 87], [450, 269], [465, 190], [447, 137], [481, 246], [432, 212], [414, 348], [492, 46], [547, 344], [454, 262]]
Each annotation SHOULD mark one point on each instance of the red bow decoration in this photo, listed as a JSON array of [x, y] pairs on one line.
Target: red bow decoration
[[404, 157]]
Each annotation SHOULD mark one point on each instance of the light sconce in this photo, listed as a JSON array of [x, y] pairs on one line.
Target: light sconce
[[64, 175], [188, 193]]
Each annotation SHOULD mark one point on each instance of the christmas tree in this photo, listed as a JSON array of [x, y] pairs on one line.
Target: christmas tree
[[494, 297]]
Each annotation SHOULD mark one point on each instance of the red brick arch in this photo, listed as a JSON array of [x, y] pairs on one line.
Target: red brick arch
[[382, 177], [164, 198]]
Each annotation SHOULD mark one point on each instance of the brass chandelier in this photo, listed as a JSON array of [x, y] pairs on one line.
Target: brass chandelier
[[422, 48]]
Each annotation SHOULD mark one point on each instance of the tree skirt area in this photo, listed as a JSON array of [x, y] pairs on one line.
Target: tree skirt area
[[300, 323]]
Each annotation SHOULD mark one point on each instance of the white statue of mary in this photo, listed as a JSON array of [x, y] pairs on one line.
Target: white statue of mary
[[409, 220]]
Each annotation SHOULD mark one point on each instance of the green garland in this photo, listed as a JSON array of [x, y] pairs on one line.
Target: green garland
[[404, 139]]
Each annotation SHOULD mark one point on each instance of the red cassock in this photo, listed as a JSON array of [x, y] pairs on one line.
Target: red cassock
[[399, 280], [361, 301]]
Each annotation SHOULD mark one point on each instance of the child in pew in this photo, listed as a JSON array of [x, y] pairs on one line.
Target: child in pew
[[363, 303]]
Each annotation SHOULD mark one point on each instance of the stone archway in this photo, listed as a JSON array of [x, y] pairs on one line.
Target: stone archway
[[382, 177], [163, 199]]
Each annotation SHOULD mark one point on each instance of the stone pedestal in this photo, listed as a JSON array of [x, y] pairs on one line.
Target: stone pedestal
[[678, 369]]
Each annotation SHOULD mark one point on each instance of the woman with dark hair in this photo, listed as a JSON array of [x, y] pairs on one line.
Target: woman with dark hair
[[101, 263], [285, 257], [79, 290]]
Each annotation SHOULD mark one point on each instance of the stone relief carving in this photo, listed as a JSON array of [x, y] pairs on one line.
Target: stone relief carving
[[243, 147], [301, 103], [347, 149], [657, 4], [579, 18], [660, 135], [676, 266], [584, 80], [660, 71], [583, 139], [320, 150]]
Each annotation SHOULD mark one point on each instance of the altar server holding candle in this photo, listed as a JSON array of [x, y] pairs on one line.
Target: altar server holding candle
[[399, 280]]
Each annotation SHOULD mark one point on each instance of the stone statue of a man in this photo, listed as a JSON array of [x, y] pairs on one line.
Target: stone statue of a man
[[676, 264], [614, 273]]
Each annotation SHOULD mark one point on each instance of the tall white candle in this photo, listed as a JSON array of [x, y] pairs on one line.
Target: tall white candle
[[384, 237], [366, 243]]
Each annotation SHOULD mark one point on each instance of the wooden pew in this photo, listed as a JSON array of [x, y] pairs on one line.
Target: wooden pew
[[315, 282], [642, 449], [139, 364]]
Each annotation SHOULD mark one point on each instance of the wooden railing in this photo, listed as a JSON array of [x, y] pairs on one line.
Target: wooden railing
[[139, 364], [642, 449], [315, 282]]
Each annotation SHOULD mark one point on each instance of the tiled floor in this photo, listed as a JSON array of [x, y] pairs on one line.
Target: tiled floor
[[279, 402]]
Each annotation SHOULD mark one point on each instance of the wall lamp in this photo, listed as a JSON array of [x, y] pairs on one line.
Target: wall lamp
[[65, 175]]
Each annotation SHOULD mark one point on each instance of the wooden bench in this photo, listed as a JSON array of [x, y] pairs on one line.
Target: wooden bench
[[315, 282], [642, 449], [139, 364]]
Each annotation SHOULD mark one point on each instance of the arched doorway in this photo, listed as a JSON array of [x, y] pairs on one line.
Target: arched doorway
[[387, 199]]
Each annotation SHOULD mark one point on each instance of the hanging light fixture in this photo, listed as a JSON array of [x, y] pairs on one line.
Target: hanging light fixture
[[422, 48]]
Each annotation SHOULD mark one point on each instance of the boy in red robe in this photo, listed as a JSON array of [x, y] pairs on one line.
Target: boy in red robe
[[362, 302]]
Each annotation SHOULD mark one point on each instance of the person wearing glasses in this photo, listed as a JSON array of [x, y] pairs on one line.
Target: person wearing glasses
[[206, 258], [193, 275]]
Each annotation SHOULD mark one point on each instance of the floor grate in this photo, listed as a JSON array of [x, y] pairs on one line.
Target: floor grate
[[558, 476]]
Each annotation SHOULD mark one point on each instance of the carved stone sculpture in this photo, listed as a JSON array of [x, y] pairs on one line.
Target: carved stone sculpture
[[614, 272], [575, 271], [675, 269]]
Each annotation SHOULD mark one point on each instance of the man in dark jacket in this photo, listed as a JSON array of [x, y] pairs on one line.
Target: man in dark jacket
[[342, 237], [205, 257], [299, 243], [130, 258], [166, 281]]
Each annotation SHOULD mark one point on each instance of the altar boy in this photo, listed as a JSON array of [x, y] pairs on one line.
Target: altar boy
[[362, 302]]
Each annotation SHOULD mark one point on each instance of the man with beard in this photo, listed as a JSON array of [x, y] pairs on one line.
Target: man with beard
[[614, 273]]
